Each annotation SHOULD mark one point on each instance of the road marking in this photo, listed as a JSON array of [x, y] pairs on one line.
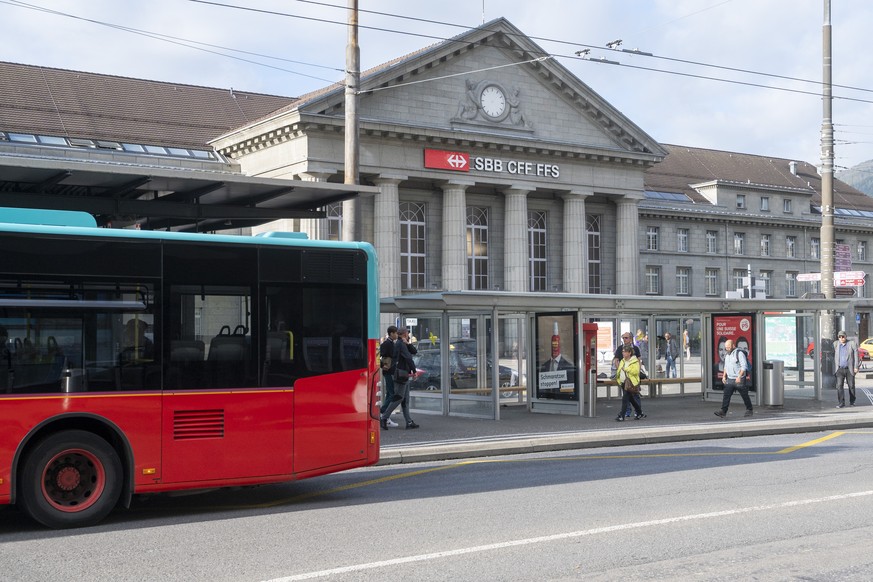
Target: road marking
[[408, 474], [811, 443], [564, 536], [868, 394]]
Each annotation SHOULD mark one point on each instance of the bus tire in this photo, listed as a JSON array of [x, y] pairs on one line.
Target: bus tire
[[71, 478]]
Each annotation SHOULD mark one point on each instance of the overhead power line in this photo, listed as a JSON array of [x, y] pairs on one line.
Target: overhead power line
[[194, 45]]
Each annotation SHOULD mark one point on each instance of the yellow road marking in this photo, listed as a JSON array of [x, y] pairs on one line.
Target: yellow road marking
[[812, 443], [416, 473]]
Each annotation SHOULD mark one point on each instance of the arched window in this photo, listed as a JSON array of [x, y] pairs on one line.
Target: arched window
[[412, 246], [536, 242], [477, 248]]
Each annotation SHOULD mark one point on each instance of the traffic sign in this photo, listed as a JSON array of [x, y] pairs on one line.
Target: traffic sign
[[841, 278], [844, 292], [842, 257]]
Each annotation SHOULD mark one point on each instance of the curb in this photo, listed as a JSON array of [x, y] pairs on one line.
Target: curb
[[614, 438]]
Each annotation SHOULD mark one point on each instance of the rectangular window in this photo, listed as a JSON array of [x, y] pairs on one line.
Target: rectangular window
[[765, 277], [653, 280], [683, 280], [814, 248], [765, 204], [595, 281], [536, 243], [791, 247], [333, 221], [413, 251], [741, 201], [765, 245], [477, 248], [711, 278], [786, 205], [739, 274], [652, 238], [712, 242], [791, 284], [862, 250], [739, 243], [682, 240]]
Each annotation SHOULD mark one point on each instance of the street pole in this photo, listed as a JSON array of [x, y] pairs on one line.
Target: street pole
[[352, 208], [828, 247]]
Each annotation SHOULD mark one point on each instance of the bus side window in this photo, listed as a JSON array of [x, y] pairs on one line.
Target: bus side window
[[229, 358], [187, 364]]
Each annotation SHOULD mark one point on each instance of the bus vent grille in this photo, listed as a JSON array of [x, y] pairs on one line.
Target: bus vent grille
[[334, 267], [198, 424]]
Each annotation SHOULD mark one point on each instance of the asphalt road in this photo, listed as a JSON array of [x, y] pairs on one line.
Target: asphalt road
[[779, 507]]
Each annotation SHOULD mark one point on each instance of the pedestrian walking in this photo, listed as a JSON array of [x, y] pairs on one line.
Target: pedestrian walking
[[627, 376], [848, 364], [387, 365], [403, 362], [670, 354], [736, 368]]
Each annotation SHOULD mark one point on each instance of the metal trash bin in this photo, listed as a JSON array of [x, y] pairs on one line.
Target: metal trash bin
[[773, 391]]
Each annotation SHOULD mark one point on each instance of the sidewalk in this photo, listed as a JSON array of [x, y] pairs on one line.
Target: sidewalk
[[669, 419]]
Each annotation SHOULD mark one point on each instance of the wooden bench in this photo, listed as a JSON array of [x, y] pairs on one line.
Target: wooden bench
[[655, 385]]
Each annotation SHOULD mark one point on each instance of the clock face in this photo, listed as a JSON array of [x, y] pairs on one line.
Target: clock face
[[493, 101]]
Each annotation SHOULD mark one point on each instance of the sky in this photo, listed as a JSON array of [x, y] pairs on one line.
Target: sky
[[734, 75]]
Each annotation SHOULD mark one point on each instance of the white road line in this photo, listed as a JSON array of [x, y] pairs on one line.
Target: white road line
[[563, 536], [869, 395]]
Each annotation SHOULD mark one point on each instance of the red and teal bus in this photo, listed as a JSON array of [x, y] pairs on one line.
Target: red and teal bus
[[138, 362]]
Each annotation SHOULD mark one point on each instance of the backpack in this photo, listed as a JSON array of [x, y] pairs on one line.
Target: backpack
[[748, 376], [385, 351]]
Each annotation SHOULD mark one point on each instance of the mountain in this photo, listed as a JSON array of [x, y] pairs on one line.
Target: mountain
[[860, 177]]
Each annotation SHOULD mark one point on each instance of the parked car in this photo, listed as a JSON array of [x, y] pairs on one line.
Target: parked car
[[863, 350], [867, 346], [463, 370]]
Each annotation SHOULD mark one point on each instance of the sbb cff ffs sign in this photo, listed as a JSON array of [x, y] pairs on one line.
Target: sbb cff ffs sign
[[446, 160]]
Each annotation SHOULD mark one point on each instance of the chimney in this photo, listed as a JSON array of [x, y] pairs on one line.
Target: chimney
[[792, 166]]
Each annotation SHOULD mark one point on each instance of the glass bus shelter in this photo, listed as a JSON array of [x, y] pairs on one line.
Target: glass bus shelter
[[468, 365]]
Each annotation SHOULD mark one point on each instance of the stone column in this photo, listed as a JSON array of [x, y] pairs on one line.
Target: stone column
[[515, 247], [627, 260], [455, 234], [314, 227], [386, 235], [575, 242]]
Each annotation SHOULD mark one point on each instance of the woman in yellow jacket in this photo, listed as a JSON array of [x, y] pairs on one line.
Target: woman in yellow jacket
[[628, 369]]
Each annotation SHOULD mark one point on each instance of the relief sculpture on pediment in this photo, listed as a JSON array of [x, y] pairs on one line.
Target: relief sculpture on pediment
[[489, 103]]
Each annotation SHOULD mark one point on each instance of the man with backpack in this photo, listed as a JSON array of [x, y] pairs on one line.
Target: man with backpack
[[388, 365], [736, 368]]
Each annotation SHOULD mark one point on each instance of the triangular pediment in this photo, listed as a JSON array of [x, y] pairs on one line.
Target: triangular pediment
[[492, 82]]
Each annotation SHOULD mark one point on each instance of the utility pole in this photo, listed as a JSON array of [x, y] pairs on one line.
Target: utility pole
[[352, 208], [828, 243]]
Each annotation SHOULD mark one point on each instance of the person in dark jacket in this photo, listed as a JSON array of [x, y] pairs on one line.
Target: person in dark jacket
[[387, 364], [403, 352]]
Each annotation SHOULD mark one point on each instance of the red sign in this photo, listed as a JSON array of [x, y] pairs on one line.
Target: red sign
[[446, 160]]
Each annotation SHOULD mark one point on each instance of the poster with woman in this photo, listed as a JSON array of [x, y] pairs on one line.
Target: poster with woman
[[740, 329]]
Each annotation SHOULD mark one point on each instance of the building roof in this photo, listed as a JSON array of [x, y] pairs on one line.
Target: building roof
[[59, 102], [685, 167]]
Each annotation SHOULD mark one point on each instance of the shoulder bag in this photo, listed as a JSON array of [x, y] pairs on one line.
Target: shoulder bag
[[629, 387]]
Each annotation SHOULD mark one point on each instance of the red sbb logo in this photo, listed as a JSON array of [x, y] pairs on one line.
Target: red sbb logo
[[446, 160]]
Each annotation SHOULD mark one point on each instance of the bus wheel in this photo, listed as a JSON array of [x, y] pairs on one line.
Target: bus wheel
[[70, 479]]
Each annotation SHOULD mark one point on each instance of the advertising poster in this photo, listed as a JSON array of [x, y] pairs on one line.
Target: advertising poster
[[556, 356], [740, 329], [605, 342]]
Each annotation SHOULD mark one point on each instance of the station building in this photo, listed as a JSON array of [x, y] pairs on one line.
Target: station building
[[485, 166]]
